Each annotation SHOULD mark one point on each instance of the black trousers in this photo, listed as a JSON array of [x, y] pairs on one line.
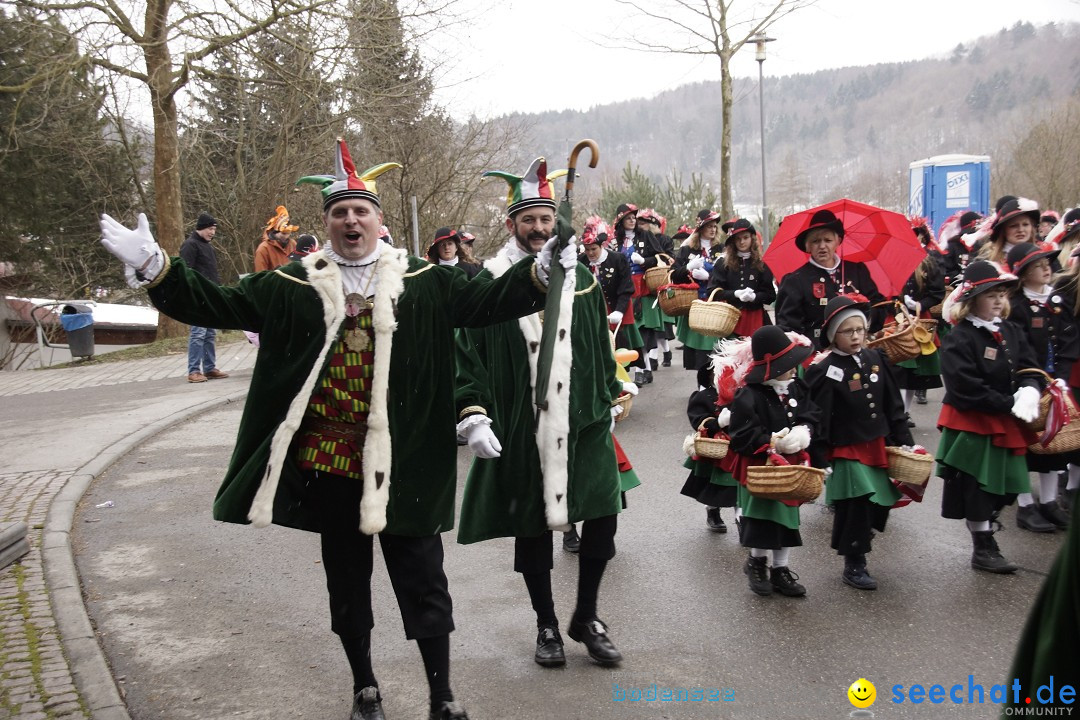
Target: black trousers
[[415, 566], [534, 554]]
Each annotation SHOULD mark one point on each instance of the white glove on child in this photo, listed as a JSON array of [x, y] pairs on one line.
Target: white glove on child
[[746, 295], [912, 305], [1026, 403], [724, 418], [636, 258], [482, 441], [700, 274], [135, 248], [614, 317], [696, 262], [796, 439]]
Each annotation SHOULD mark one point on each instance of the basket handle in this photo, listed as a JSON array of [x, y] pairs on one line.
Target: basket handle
[[715, 290], [670, 260], [1036, 371]]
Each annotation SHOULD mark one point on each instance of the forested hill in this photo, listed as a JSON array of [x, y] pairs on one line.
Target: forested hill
[[849, 131]]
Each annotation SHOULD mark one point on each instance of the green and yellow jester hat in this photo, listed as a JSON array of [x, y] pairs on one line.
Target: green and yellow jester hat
[[530, 190], [346, 182]]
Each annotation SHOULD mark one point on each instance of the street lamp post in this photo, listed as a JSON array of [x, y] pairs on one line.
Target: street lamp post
[[759, 40]]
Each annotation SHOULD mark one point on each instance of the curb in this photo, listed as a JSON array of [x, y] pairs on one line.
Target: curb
[[86, 659]]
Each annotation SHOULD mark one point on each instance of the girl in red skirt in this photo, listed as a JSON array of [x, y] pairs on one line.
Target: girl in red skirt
[[744, 280]]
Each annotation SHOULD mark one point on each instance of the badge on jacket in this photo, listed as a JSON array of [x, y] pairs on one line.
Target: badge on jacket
[[835, 372], [990, 353], [819, 290]]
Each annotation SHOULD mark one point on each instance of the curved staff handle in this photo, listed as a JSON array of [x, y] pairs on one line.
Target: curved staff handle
[[571, 164]]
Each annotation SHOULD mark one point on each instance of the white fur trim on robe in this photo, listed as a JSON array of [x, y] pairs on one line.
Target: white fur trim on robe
[[553, 427], [377, 452]]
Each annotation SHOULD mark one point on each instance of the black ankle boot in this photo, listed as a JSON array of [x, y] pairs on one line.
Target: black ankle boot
[[667, 359], [784, 582], [987, 556], [1054, 515], [855, 573], [756, 570], [367, 705], [714, 521]]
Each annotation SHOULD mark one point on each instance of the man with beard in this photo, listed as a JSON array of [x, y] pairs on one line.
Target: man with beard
[[347, 430], [535, 476]]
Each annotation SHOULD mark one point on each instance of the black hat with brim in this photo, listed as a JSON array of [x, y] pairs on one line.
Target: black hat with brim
[[1023, 255], [1013, 209], [734, 227], [821, 219], [981, 276], [443, 233], [841, 303], [774, 354]]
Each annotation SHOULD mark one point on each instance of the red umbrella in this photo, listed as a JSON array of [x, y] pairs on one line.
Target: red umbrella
[[881, 239]]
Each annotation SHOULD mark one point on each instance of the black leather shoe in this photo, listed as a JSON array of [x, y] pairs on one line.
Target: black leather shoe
[[449, 710], [648, 377], [714, 521], [549, 648], [667, 359], [1029, 518], [571, 541], [756, 570], [1054, 515], [855, 573], [910, 422], [920, 397], [786, 582], [593, 634], [367, 705]]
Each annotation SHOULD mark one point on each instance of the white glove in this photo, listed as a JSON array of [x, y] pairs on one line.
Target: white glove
[[135, 248], [636, 258], [724, 418], [614, 317], [796, 439], [700, 274], [696, 262], [615, 410], [568, 258], [629, 387], [1026, 403], [746, 295], [912, 305], [482, 441]]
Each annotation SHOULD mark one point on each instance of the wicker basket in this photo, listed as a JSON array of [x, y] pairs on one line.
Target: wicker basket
[[1068, 437], [909, 467], [1039, 424], [675, 300], [625, 401], [799, 483], [714, 319], [935, 311], [657, 276], [711, 448], [901, 345]]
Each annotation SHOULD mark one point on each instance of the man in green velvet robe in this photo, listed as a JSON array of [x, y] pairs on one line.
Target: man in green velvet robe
[[532, 477], [348, 426]]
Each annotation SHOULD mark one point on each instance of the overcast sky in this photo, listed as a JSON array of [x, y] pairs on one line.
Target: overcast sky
[[533, 55]]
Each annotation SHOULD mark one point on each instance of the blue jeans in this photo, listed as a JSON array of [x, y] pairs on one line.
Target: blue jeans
[[200, 350]]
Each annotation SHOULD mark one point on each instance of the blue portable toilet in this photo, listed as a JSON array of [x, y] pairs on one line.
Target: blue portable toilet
[[941, 185]]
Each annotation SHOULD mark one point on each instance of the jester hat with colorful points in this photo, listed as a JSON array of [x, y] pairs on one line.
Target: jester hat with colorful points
[[346, 182], [532, 189], [280, 222]]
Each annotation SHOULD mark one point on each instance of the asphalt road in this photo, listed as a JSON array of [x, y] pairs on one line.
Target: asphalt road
[[205, 620]]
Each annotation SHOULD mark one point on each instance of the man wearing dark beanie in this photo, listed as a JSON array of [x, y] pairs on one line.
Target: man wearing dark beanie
[[198, 253]]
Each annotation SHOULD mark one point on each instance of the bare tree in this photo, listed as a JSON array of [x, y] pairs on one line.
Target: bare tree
[[712, 27]]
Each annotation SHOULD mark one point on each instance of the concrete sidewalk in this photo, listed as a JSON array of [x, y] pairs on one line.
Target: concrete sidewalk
[[61, 429]]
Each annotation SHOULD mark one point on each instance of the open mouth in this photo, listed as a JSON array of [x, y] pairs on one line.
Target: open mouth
[[353, 237]]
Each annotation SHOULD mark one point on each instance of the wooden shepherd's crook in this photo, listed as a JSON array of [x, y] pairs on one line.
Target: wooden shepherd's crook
[[571, 165]]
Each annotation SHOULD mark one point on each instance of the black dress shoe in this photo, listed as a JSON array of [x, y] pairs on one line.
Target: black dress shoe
[[1054, 515], [367, 705], [1028, 517], [571, 541], [449, 710], [714, 521], [549, 648], [667, 359], [593, 634]]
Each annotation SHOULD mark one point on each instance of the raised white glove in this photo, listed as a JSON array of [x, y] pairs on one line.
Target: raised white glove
[[631, 388], [568, 258], [482, 441], [798, 438], [1026, 403], [724, 418], [912, 305], [695, 262], [135, 248], [636, 258], [614, 317], [700, 273]]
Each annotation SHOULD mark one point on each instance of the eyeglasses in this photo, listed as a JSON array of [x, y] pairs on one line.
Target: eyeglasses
[[852, 332]]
